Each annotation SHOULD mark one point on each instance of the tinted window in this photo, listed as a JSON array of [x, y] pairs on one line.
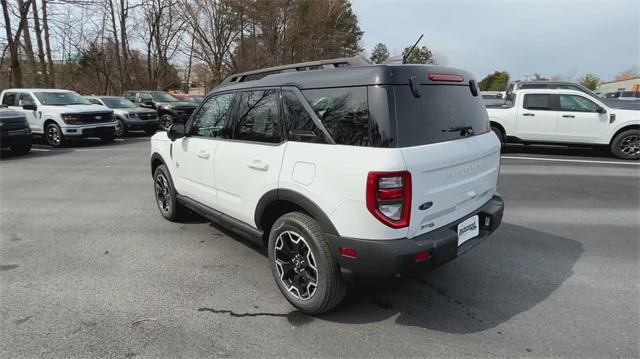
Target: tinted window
[[343, 112], [145, 97], [213, 116], [577, 104], [61, 98], [612, 95], [95, 101], [258, 117], [537, 102], [117, 102], [441, 113], [627, 94], [10, 99], [298, 123], [26, 99]]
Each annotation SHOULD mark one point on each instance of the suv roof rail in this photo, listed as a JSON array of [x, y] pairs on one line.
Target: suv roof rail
[[301, 66]]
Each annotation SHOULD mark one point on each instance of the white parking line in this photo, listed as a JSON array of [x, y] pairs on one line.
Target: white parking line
[[568, 160]]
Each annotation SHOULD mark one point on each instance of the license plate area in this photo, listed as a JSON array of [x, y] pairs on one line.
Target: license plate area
[[468, 229]]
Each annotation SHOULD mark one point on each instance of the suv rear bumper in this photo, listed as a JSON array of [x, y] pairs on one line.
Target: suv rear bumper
[[395, 258]]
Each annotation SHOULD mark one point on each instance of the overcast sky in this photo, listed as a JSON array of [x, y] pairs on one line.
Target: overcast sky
[[566, 38]]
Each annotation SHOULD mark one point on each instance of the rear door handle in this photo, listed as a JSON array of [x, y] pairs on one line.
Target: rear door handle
[[203, 155], [568, 116], [528, 114], [258, 165]]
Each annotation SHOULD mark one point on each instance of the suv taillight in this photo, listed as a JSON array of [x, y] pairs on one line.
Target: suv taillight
[[389, 197]]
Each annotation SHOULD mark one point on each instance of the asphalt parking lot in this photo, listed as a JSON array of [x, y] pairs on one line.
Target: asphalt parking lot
[[88, 267]]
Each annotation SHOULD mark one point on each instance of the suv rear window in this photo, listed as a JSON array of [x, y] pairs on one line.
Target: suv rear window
[[439, 114]]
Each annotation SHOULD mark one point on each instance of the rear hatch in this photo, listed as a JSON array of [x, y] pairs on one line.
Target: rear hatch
[[453, 158]]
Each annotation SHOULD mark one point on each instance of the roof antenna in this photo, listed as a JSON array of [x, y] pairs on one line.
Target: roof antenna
[[405, 57]]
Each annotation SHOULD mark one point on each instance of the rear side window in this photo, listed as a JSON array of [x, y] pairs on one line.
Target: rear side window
[[298, 123], [441, 113], [213, 116], [344, 113], [258, 117], [10, 99], [537, 102]]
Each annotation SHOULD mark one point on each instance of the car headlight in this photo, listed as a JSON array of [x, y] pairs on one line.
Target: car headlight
[[71, 119], [132, 115]]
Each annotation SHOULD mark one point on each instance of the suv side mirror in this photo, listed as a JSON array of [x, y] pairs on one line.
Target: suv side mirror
[[601, 110], [31, 107], [176, 131]]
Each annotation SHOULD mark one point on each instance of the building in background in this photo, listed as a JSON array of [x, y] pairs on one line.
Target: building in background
[[631, 84]]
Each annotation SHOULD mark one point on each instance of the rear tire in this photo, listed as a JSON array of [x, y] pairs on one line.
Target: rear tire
[[626, 145], [498, 133], [302, 265], [166, 195]]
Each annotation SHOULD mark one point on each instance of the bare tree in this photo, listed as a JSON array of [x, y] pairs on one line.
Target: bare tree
[[13, 40]]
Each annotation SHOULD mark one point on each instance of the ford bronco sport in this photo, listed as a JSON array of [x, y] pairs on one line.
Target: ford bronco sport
[[343, 170]]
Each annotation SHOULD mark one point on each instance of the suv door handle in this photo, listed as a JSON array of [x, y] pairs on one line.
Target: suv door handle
[[568, 116], [203, 155], [528, 114], [258, 165]]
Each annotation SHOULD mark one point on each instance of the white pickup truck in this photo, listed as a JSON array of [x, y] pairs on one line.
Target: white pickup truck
[[60, 115], [566, 117]]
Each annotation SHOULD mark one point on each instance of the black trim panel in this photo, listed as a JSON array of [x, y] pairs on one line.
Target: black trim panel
[[395, 257], [296, 198], [156, 156], [217, 217]]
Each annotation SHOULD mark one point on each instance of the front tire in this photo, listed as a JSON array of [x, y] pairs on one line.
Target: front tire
[[54, 135], [166, 195], [302, 265], [121, 128], [166, 121], [626, 145]]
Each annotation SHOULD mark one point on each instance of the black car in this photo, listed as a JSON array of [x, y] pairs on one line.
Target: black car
[[170, 109], [14, 131]]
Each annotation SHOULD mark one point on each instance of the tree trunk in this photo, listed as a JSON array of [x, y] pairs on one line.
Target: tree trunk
[[14, 41], [44, 79], [28, 46], [45, 25], [117, 43]]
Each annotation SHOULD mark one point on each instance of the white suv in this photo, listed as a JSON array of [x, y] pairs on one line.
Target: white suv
[[61, 114], [342, 173]]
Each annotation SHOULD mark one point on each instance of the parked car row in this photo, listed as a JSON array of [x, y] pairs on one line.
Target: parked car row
[[60, 115]]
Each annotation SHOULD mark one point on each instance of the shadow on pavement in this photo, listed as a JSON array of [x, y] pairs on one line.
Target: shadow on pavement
[[506, 275], [598, 152]]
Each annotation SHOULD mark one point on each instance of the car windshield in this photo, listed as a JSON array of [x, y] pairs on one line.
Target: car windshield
[[163, 97], [117, 102], [61, 98]]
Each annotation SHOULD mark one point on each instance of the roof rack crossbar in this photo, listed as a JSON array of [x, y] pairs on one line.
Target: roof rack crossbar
[[302, 66]]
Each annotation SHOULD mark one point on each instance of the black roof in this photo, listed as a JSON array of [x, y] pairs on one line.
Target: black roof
[[386, 74]]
